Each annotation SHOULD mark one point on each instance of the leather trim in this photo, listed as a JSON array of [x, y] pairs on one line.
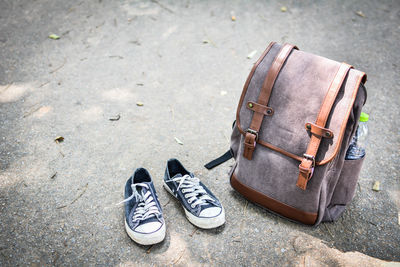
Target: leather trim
[[273, 204], [280, 150], [362, 77], [318, 130], [267, 111], [249, 145]]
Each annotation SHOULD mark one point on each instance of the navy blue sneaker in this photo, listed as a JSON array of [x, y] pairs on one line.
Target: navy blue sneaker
[[201, 207], [144, 221]]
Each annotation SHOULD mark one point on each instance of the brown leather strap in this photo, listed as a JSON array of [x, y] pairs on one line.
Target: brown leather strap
[[307, 164], [318, 130], [260, 108], [263, 98]]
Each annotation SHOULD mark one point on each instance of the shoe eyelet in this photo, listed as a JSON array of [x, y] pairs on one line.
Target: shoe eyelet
[[192, 206], [183, 191], [189, 201], [186, 196]]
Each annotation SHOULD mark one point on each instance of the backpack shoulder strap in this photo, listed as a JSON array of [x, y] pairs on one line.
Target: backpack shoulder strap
[[307, 164]]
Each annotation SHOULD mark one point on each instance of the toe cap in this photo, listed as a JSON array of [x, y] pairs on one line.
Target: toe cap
[[148, 227], [210, 212]]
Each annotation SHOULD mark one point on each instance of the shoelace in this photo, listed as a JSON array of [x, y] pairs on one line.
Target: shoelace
[[196, 195], [147, 207]]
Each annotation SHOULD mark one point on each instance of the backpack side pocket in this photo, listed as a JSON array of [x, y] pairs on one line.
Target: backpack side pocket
[[344, 190]]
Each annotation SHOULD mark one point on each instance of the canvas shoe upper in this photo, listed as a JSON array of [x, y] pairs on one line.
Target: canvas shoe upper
[[201, 206], [144, 221]]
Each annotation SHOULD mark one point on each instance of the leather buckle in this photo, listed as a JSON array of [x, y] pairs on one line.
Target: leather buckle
[[252, 132], [310, 157]]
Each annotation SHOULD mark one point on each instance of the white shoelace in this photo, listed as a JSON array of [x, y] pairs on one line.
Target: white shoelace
[[147, 207], [191, 189]]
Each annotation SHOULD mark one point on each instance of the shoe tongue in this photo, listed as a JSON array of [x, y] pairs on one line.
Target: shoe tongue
[[142, 189], [177, 176], [180, 175]]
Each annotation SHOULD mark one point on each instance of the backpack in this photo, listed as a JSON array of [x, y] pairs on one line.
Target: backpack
[[294, 122]]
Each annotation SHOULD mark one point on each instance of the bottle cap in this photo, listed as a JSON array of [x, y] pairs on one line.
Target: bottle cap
[[364, 117]]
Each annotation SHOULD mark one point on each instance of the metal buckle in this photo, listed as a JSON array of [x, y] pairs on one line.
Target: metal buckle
[[252, 132], [310, 157]]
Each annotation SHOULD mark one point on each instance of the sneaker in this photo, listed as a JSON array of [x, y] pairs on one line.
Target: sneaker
[[144, 221], [201, 207]]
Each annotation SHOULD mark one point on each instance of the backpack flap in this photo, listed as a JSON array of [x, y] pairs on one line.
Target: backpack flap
[[295, 102]]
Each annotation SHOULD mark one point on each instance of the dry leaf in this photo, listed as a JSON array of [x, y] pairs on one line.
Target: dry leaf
[[252, 54], [283, 9], [376, 186], [178, 141], [115, 118], [54, 36], [360, 13], [139, 104], [209, 41], [233, 17], [59, 139]]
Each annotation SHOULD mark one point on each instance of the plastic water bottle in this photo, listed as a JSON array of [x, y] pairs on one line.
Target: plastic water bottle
[[358, 143]]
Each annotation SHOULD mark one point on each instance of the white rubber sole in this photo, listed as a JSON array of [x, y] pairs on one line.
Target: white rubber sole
[[146, 239], [204, 223]]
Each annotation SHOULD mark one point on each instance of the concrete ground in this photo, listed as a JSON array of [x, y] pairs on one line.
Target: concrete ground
[[186, 61]]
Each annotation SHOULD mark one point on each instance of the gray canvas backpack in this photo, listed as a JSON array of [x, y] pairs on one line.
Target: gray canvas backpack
[[295, 119]]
